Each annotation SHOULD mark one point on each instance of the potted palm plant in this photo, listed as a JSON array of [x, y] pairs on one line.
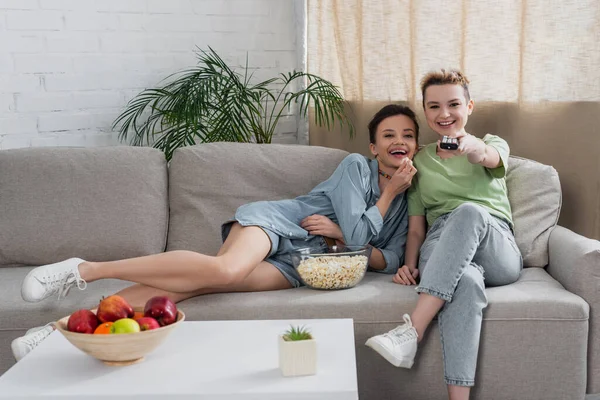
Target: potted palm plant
[[212, 102], [297, 352]]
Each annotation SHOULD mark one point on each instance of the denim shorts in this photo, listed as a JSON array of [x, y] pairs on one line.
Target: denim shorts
[[280, 260]]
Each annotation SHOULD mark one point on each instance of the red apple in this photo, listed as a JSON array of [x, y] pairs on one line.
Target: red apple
[[82, 321], [162, 309], [114, 308], [147, 323]]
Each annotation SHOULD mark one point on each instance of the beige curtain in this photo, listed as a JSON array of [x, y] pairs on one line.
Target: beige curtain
[[534, 67]]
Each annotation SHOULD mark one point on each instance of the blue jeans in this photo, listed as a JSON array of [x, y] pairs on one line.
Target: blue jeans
[[464, 251]]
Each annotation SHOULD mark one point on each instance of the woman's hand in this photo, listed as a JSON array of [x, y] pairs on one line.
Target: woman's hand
[[468, 145], [402, 178], [320, 225], [406, 276]]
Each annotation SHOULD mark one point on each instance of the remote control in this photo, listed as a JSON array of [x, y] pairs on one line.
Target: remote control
[[449, 143]]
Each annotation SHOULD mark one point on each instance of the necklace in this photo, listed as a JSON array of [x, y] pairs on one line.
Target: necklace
[[386, 176]]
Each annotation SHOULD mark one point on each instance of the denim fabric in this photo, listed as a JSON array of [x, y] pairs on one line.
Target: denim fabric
[[464, 251], [348, 197], [281, 260]]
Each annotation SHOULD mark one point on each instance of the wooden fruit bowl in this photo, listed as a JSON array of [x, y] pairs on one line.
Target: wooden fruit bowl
[[119, 349]]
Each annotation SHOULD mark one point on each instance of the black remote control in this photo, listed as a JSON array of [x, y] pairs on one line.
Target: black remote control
[[449, 143]]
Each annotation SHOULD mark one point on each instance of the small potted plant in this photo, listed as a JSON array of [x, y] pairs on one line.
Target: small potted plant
[[297, 352]]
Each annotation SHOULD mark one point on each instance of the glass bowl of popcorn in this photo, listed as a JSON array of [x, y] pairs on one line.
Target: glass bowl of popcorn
[[331, 268]]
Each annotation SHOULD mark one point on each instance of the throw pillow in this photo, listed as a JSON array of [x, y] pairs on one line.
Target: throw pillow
[[535, 197]]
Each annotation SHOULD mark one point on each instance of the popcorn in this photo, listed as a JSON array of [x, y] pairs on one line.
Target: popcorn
[[332, 272]]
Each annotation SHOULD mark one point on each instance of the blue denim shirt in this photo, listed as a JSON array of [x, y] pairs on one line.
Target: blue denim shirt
[[348, 198]]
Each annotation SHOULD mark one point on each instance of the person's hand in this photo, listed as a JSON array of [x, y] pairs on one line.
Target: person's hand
[[320, 225], [406, 276], [402, 178], [467, 145]]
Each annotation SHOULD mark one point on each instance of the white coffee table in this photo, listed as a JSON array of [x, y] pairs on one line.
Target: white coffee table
[[224, 360]]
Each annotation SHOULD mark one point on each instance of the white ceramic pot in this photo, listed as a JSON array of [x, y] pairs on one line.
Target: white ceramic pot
[[297, 357]]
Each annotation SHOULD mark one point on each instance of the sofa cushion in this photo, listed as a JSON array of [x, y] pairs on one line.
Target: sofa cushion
[[535, 296], [535, 197], [527, 326], [208, 182], [516, 317], [99, 204]]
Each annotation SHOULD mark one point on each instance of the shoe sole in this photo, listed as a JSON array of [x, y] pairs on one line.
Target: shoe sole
[[28, 299], [395, 361], [13, 349]]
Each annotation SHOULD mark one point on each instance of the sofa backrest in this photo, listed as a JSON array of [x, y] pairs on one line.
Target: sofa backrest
[[112, 203], [208, 182], [100, 204]]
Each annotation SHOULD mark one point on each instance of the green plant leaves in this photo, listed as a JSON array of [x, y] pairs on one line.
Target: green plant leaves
[[211, 102], [297, 333]]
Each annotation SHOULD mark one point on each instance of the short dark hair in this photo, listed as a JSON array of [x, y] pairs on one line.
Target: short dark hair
[[389, 111]]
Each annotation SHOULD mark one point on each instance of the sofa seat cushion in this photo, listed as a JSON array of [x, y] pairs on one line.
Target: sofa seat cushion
[[527, 327], [99, 204], [536, 295]]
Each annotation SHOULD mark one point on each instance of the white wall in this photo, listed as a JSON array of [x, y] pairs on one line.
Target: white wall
[[68, 67]]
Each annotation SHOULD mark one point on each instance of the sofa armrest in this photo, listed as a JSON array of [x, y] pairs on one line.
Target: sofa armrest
[[574, 261]]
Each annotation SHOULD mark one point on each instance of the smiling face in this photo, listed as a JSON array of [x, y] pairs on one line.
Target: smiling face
[[395, 139], [447, 110]]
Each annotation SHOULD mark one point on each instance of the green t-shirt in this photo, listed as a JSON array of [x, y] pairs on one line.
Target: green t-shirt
[[443, 185]]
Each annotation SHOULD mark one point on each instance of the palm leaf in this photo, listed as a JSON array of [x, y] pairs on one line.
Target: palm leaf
[[212, 102]]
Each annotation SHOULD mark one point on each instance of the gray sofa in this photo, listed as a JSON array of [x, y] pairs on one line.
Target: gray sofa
[[540, 338]]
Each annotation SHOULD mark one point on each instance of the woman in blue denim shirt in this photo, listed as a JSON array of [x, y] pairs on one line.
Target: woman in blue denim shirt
[[363, 202]]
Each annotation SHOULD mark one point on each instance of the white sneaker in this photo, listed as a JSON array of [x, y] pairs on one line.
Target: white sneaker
[[21, 346], [50, 279], [399, 345]]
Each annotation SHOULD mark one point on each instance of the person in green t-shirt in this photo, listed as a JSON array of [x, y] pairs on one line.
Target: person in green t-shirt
[[461, 195]]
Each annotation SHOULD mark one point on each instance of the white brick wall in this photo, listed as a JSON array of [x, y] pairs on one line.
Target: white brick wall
[[68, 67]]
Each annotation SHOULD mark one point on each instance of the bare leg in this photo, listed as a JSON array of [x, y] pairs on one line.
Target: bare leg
[[263, 278], [426, 309], [186, 271], [259, 277], [458, 392]]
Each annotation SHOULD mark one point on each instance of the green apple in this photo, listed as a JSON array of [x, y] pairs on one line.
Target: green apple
[[125, 325]]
